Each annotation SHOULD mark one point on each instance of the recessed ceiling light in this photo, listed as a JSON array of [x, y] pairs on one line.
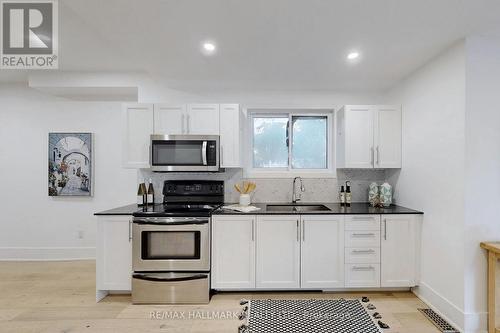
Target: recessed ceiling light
[[208, 48], [353, 55]]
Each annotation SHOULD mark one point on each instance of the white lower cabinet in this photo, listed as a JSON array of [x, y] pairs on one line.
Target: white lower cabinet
[[362, 251], [362, 275], [233, 252], [398, 250], [314, 251], [113, 254], [278, 251], [322, 251]]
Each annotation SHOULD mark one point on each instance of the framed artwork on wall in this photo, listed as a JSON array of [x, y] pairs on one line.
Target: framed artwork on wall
[[70, 164]]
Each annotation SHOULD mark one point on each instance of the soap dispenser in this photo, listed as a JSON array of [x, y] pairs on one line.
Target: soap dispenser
[[342, 196], [348, 194]]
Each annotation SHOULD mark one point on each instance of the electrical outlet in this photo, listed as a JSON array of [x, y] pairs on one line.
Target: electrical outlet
[[80, 234]]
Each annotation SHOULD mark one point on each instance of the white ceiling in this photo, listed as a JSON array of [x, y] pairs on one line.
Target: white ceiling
[[266, 44]]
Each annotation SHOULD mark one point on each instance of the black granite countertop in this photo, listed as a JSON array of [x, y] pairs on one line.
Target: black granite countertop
[[124, 210], [335, 209]]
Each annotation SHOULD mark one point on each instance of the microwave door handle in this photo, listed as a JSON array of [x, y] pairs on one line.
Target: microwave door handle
[[204, 152]]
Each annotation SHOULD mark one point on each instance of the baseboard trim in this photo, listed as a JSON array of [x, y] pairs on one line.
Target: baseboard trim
[[440, 304], [476, 322], [46, 253]]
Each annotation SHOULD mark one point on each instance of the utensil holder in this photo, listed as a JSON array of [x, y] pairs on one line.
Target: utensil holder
[[244, 199]]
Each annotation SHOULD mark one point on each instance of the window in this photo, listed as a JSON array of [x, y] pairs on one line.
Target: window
[[309, 142], [290, 142], [270, 142]]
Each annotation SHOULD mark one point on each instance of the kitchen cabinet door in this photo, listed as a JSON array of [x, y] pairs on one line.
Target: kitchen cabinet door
[[233, 252], [113, 253], [137, 128], [355, 137], [230, 136], [322, 253], [169, 119], [398, 250], [387, 137], [202, 119], [278, 252]]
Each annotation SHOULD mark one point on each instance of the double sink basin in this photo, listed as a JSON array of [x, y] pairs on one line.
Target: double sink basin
[[296, 208]]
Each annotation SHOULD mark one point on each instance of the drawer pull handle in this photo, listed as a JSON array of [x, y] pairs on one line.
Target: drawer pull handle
[[363, 268], [364, 235], [362, 251]]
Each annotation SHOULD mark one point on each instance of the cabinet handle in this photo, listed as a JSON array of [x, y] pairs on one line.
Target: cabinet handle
[[373, 156], [298, 231], [362, 251], [363, 235], [378, 156], [253, 228], [361, 218], [129, 231], [182, 124], [188, 124], [385, 229], [363, 268], [221, 155]]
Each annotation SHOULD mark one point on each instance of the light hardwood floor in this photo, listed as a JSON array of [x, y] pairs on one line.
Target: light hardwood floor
[[60, 297]]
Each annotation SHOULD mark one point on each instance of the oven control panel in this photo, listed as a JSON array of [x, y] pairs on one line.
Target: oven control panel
[[200, 187]]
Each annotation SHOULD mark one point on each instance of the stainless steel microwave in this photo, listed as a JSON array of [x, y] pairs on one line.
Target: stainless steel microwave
[[184, 153]]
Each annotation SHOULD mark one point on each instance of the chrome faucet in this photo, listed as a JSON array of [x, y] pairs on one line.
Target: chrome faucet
[[297, 196]]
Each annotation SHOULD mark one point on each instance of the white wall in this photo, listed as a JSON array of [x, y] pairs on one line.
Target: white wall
[[431, 179], [482, 170], [34, 225]]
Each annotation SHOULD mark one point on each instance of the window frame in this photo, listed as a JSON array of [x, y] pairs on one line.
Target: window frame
[[288, 172]]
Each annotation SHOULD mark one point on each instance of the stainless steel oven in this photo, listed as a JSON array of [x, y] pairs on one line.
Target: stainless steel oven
[[184, 153], [171, 244]]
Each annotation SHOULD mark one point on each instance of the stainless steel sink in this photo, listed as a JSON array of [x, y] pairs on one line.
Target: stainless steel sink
[[296, 208]]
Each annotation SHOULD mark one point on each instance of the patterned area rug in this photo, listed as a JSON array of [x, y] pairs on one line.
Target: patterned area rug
[[307, 316]]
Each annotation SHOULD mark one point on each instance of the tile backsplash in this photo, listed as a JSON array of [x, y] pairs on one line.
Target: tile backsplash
[[278, 189]]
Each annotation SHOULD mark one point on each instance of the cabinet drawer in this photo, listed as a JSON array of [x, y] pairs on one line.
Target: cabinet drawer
[[362, 275], [362, 238], [362, 222], [362, 255]]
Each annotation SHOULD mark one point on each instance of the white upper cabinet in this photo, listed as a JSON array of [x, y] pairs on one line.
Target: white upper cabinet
[[322, 253], [137, 128], [202, 119], [230, 132], [233, 252], [387, 137], [399, 250], [278, 251], [369, 136], [169, 119], [142, 120], [355, 134]]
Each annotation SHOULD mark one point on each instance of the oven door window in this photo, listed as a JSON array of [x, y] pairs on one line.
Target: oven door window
[[177, 153], [166, 245]]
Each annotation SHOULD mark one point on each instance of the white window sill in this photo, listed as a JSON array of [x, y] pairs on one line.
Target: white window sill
[[289, 174]]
